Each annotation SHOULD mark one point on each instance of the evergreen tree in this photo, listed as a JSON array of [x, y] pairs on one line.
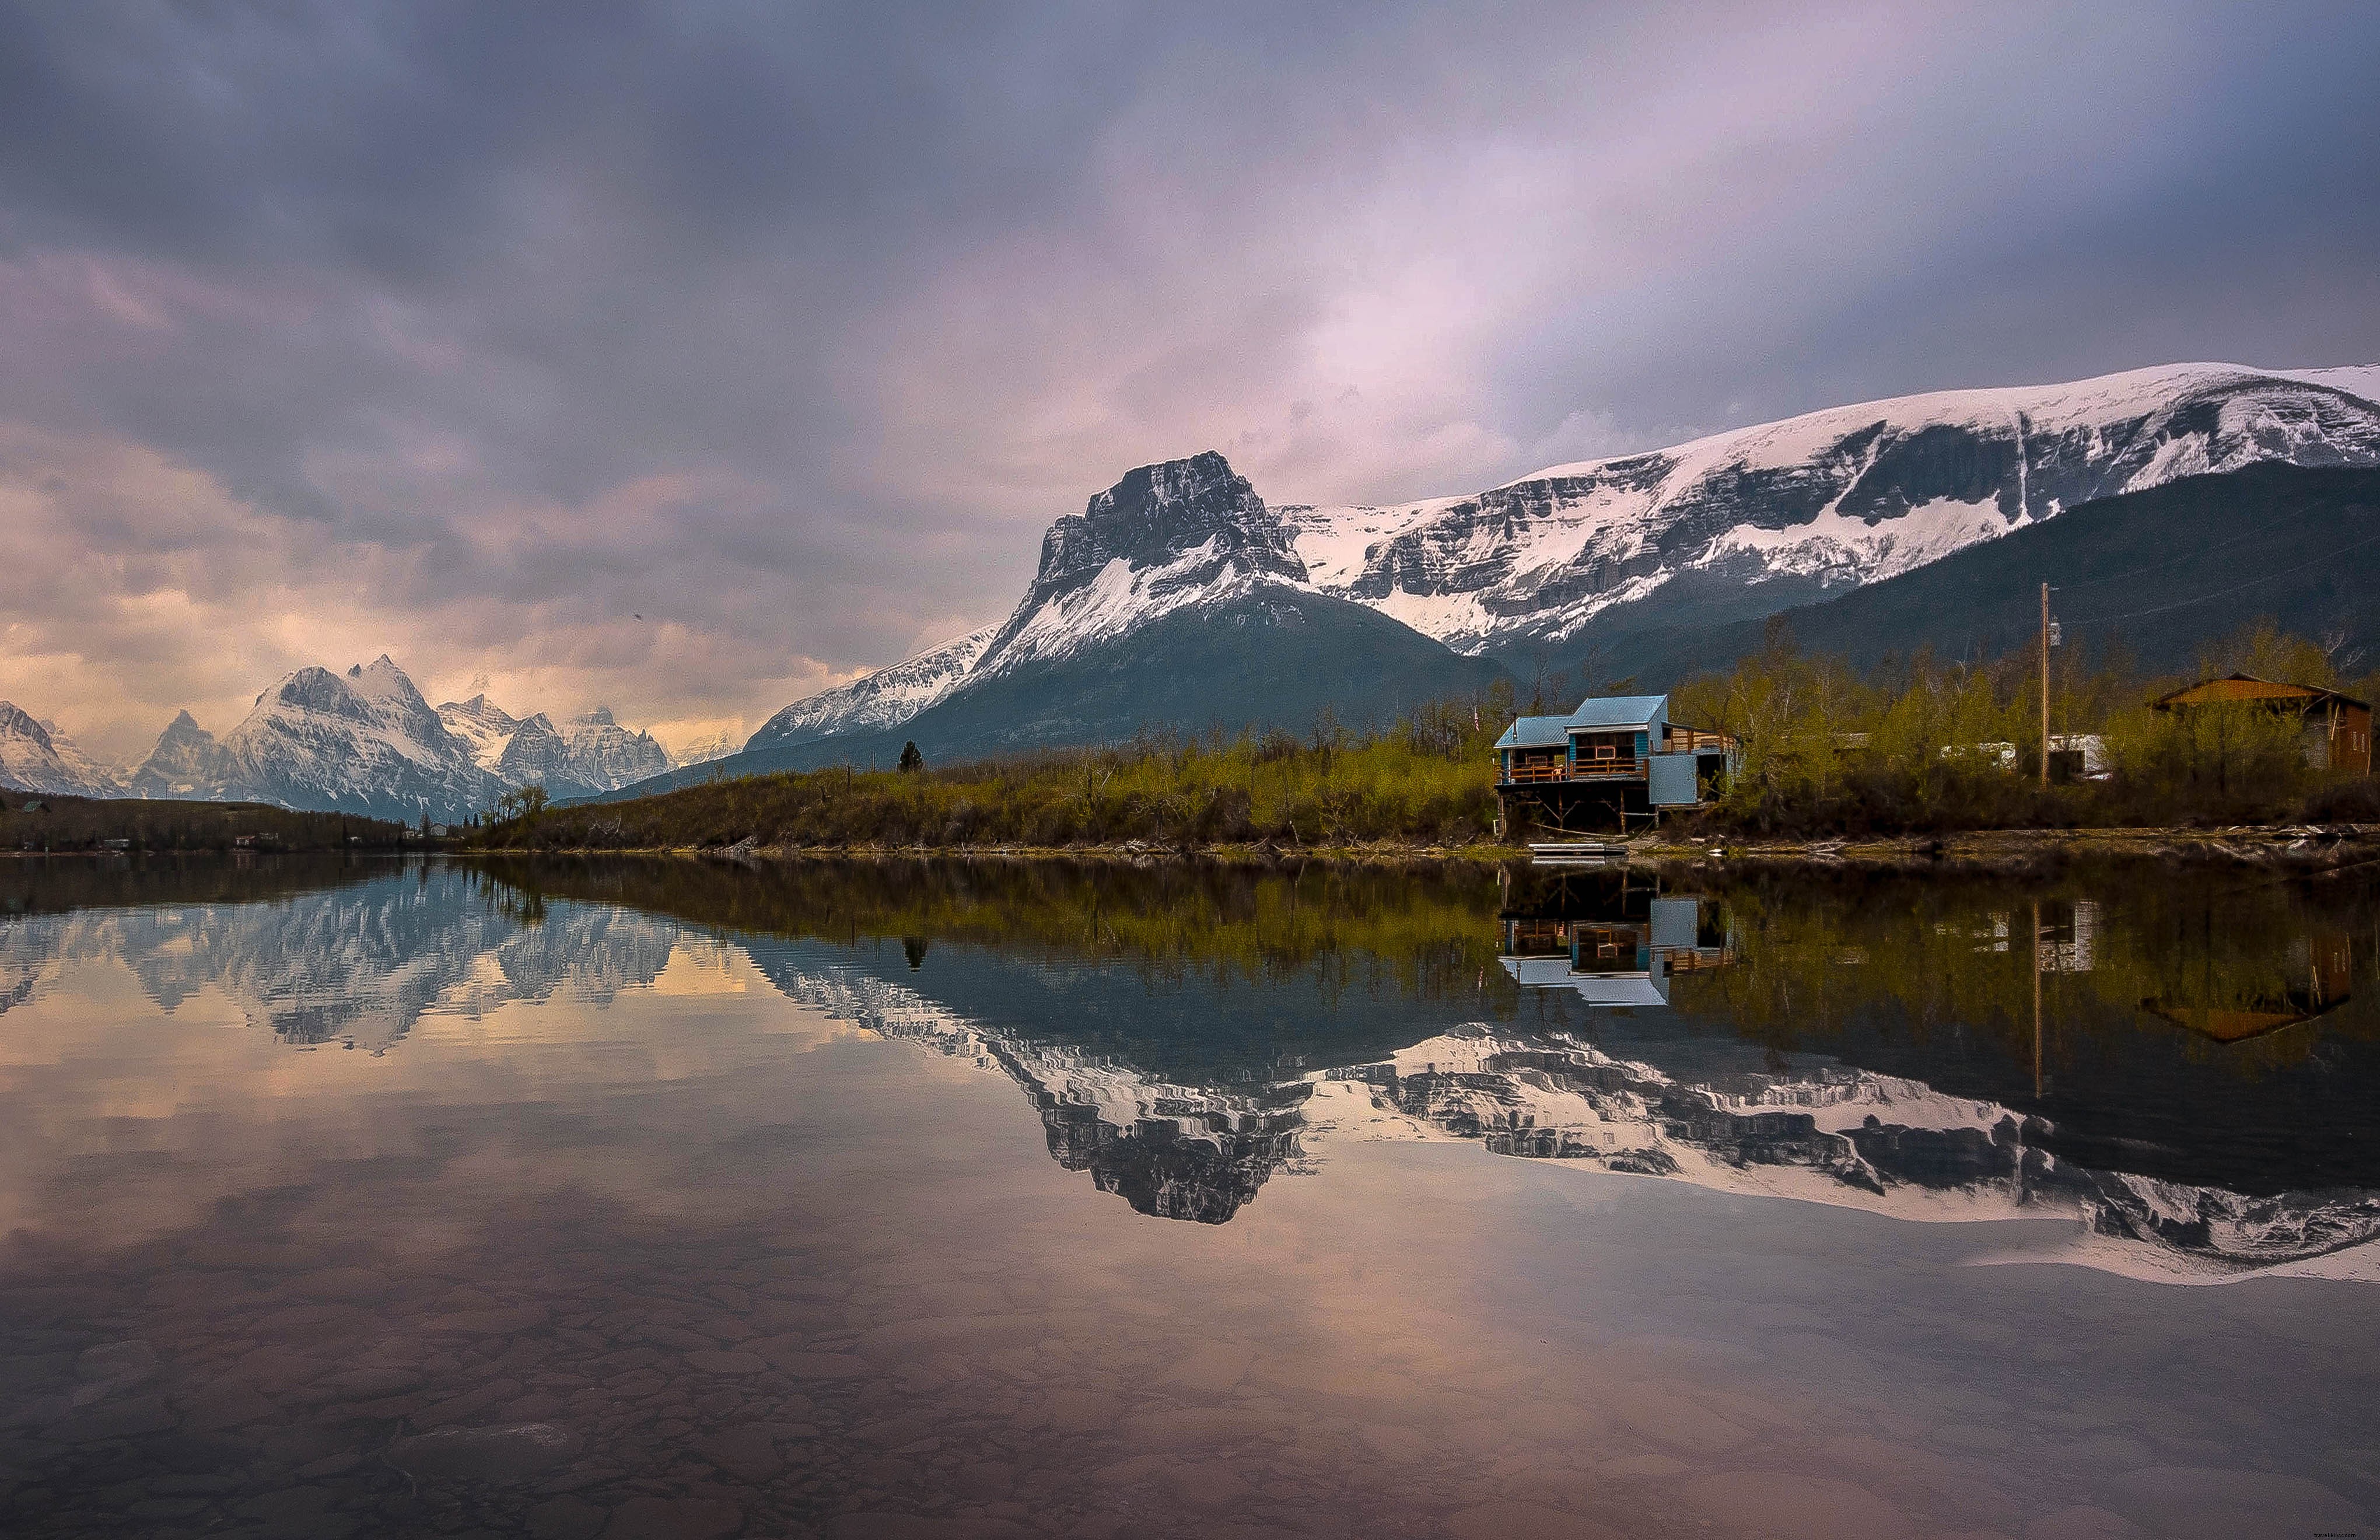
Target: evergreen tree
[[910, 759]]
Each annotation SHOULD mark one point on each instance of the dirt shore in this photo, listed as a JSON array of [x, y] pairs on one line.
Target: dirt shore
[[2297, 847]]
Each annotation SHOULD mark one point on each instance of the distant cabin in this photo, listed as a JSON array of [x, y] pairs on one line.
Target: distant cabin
[[2337, 728], [1616, 759]]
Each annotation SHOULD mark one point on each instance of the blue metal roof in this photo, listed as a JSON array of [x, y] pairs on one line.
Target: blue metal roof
[[1536, 732], [1607, 713]]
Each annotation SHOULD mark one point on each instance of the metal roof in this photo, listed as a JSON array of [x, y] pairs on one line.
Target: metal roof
[[1608, 988], [1602, 714], [1536, 732], [2247, 687]]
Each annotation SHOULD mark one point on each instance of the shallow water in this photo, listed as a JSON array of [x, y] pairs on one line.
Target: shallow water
[[931, 1199]]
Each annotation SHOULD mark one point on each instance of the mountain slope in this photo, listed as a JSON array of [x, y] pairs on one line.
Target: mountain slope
[[186, 762], [2161, 571], [882, 699], [36, 756], [366, 742], [484, 725], [1747, 522], [602, 753], [1175, 599]]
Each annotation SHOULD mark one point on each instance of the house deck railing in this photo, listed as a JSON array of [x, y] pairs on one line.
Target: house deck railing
[[1586, 769]]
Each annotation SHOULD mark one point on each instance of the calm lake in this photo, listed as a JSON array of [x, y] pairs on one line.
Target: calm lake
[[946, 1199]]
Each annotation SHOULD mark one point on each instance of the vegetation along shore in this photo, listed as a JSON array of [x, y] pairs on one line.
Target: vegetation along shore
[[1918, 761]]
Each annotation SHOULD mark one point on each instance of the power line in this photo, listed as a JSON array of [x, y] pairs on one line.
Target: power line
[[2237, 588], [2159, 566]]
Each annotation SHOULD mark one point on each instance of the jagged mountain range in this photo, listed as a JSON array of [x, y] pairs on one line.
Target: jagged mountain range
[[1178, 597], [364, 742]]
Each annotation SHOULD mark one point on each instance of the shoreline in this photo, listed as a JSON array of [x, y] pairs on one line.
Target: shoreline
[[2298, 847]]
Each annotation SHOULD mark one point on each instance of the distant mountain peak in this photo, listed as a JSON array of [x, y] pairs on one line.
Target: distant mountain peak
[[16, 718], [36, 756]]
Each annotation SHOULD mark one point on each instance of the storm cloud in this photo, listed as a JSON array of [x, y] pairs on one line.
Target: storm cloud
[[688, 359]]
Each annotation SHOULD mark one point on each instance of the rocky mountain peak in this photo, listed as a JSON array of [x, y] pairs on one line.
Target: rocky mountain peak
[[1159, 515], [19, 722]]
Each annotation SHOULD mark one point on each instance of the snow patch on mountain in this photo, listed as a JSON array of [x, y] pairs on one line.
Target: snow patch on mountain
[[2362, 380], [1836, 542]]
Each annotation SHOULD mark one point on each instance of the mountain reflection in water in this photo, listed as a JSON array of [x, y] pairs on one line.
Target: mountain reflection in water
[[2186, 1066]]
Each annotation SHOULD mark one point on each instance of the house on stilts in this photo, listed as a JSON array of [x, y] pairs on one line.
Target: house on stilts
[[1616, 762]]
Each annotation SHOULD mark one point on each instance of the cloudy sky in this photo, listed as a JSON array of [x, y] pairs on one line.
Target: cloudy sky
[[472, 332]]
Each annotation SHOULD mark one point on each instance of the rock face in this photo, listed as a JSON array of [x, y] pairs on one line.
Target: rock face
[[482, 723], [186, 762], [604, 755], [1166, 536], [36, 756], [1748, 522]]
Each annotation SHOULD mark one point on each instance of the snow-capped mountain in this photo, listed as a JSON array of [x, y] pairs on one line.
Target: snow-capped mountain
[[1187, 533], [1735, 527], [589, 753], [702, 750], [882, 699], [1175, 596], [1749, 521], [604, 754], [482, 723], [186, 762], [36, 756], [367, 742]]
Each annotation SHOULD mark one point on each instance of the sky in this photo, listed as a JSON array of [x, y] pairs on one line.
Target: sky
[[687, 359]]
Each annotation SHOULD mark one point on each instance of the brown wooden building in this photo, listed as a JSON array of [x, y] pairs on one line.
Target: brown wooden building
[[2338, 727]]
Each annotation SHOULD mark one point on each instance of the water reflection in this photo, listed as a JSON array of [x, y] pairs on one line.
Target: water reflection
[[2183, 1068], [353, 966], [1611, 939], [802, 1200]]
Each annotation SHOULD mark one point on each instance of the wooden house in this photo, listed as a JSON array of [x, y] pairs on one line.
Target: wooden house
[[2338, 728], [1615, 759]]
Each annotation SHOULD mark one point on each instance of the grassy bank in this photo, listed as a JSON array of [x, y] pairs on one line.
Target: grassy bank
[[1428, 782]]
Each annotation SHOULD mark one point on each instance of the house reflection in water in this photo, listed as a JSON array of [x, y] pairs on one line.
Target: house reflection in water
[[2230, 1005], [1612, 938]]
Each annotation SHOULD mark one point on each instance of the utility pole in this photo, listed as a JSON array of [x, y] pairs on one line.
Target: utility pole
[[2045, 686]]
